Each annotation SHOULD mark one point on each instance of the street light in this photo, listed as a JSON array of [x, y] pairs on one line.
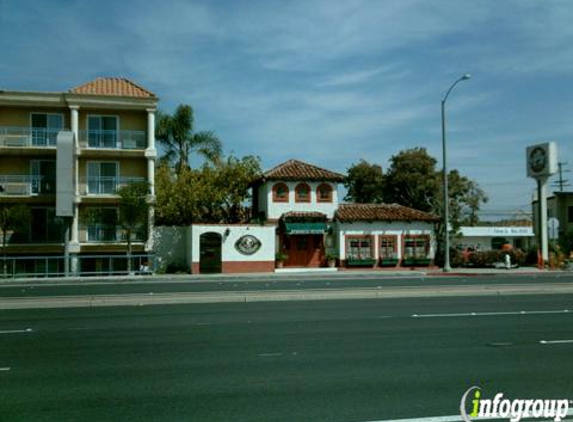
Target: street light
[[447, 267]]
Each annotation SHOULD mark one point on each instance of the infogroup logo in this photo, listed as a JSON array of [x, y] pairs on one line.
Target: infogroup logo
[[514, 410]]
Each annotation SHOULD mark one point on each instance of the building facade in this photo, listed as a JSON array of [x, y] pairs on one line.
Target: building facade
[[112, 124]]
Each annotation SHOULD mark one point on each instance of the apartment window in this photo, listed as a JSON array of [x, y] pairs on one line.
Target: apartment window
[[302, 193], [45, 128], [359, 247], [416, 246], [43, 174], [102, 224], [388, 247], [45, 227], [102, 177], [324, 193], [102, 131], [280, 192]]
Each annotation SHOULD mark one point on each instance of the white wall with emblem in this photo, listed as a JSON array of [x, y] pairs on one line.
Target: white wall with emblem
[[230, 234]]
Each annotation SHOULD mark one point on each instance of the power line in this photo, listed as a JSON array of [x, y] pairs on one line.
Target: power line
[[561, 183]]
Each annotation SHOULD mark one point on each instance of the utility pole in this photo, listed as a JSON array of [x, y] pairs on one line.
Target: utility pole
[[561, 183]]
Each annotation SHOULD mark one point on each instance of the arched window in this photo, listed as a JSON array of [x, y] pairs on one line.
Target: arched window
[[280, 192], [324, 193], [302, 192]]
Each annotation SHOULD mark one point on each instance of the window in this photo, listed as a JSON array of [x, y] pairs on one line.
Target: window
[[280, 192], [570, 214], [101, 225], [45, 128], [102, 131], [324, 193], [45, 227], [102, 177], [359, 247], [416, 246], [43, 174], [302, 192], [388, 247]]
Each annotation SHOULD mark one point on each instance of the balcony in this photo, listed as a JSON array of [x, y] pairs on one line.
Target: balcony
[[12, 136], [113, 139], [103, 185], [24, 185], [102, 233]]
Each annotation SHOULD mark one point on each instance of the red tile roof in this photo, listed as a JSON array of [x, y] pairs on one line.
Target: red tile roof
[[381, 212], [113, 86], [296, 170]]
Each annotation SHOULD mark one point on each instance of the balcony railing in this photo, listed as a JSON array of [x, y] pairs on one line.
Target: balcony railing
[[12, 136], [109, 233], [113, 139], [106, 185], [23, 185]]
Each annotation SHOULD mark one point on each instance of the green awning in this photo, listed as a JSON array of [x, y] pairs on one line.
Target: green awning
[[305, 228]]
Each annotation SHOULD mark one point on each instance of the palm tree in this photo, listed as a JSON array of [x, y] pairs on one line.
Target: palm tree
[[176, 133]]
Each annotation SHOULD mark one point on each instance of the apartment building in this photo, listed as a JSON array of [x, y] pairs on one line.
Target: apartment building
[[112, 121]]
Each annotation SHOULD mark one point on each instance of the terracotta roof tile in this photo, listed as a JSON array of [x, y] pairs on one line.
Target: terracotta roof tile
[[381, 212], [296, 170], [113, 86]]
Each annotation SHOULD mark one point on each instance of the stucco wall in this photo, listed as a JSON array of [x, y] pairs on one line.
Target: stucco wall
[[276, 209], [376, 229], [265, 234]]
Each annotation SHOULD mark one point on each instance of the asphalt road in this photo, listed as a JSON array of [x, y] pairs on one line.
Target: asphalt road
[[272, 283], [335, 361]]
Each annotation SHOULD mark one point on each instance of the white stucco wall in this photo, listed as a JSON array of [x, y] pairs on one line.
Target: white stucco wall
[[265, 234], [375, 229], [276, 209]]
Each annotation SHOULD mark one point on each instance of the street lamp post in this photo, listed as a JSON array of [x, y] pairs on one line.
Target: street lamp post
[[447, 267]]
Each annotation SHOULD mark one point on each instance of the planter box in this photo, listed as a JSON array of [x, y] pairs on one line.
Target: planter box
[[389, 262], [416, 262], [360, 262]]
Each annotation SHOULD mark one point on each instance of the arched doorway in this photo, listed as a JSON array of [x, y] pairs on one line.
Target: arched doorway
[[210, 253]]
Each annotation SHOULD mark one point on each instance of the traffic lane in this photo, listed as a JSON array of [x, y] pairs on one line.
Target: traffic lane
[[126, 287], [337, 362]]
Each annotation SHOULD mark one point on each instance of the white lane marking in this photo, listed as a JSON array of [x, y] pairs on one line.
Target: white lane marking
[[469, 314], [267, 355], [555, 341], [27, 330], [5, 369], [453, 418]]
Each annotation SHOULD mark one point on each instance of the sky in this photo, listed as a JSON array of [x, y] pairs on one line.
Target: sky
[[328, 82]]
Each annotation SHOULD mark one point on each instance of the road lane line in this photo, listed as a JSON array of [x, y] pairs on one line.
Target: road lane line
[[27, 330], [5, 369], [470, 314], [268, 355], [555, 341], [456, 418]]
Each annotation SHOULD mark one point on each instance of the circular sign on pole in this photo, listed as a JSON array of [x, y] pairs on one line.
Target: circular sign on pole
[[553, 228]]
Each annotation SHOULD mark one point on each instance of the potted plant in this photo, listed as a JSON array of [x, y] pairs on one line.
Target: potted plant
[[280, 258], [331, 260], [389, 261]]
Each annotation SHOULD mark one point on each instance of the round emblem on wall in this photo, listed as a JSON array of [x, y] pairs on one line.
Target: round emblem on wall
[[248, 244], [537, 160]]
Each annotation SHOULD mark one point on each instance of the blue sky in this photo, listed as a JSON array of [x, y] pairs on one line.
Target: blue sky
[[329, 82]]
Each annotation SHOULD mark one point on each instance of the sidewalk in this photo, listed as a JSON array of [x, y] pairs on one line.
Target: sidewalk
[[315, 274]]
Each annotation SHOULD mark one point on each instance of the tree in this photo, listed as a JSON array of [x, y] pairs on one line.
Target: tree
[[413, 180], [211, 194], [13, 219], [365, 183], [176, 133], [133, 212]]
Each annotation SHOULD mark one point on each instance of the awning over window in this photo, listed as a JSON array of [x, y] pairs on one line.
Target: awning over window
[[305, 228]]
